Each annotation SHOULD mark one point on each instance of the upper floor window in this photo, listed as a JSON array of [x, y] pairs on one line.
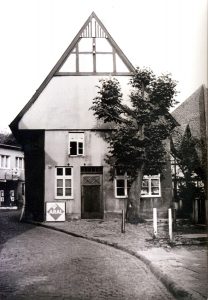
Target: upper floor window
[[151, 186], [64, 183], [4, 161], [19, 162], [76, 143]]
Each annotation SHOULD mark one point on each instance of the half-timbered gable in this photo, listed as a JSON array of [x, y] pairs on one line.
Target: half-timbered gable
[[63, 142]]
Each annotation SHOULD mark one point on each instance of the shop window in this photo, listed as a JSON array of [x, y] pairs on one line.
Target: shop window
[[4, 161], [151, 186], [76, 143], [64, 183]]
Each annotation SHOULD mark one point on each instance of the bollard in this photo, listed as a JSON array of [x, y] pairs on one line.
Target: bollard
[[170, 221], [123, 222], [155, 222], [174, 219]]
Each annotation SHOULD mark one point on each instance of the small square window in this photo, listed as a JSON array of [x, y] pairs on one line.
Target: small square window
[[59, 171], [68, 171]]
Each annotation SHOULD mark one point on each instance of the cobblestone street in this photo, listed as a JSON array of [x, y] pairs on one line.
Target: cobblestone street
[[39, 263]]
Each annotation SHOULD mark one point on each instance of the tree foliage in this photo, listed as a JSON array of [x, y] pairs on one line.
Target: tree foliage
[[137, 142], [8, 139], [184, 149], [191, 184]]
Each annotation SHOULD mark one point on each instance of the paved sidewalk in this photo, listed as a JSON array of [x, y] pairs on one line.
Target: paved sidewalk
[[181, 266]]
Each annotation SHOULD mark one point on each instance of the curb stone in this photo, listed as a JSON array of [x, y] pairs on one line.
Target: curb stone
[[172, 286]]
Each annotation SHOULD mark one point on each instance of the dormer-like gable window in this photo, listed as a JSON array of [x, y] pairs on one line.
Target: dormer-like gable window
[[76, 144]]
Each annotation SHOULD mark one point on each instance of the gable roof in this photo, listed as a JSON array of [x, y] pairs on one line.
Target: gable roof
[[192, 112], [85, 30]]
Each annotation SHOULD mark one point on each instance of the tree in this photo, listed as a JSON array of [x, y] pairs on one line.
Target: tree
[[184, 150], [8, 139], [136, 143]]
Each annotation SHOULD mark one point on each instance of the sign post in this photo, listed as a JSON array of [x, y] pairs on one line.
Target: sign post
[[123, 221], [170, 221], [155, 222]]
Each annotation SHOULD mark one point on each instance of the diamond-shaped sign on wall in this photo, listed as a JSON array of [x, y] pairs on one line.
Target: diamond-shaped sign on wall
[[55, 211]]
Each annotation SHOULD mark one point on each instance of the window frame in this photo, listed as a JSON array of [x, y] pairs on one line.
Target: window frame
[[150, 178], [124, 177], [17, 162], [78, 140], [64, 177], [6, 163]]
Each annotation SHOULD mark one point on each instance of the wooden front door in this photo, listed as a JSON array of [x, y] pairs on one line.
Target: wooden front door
[[92, 207]]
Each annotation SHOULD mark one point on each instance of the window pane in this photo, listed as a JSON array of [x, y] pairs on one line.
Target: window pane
[[20, 163], [145, 182], [59, 182], [120, 183], [80, 150], [144, 191], [68, 183], [68, 171], [154, 182], [59, 171], [120, 192], [68, 192], [59, 191], [73, 148], [155, 191], [7, 162]]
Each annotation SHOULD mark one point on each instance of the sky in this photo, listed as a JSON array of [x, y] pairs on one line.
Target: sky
[[169, 36]]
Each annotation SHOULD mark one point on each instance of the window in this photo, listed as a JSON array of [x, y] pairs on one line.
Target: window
[[76, 143], [151, 186], [122, 184], [4, 161], [19, 162], [64, 184], [2, 195]]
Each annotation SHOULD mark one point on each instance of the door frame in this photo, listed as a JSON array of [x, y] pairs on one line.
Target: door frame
[[92, 171]]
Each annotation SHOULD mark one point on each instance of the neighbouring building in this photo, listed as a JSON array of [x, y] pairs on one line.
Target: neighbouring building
[[63, 142], [191, 115], [11, 176]]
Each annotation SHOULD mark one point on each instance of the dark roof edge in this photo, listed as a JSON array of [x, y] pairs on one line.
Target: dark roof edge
[[10, 147], [13, 124]]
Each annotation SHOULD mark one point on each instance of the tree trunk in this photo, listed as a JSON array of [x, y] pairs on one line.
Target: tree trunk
[[133, 203]]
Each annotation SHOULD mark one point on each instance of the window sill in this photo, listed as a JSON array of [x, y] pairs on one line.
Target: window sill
[[150, 196], [64, 198]]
